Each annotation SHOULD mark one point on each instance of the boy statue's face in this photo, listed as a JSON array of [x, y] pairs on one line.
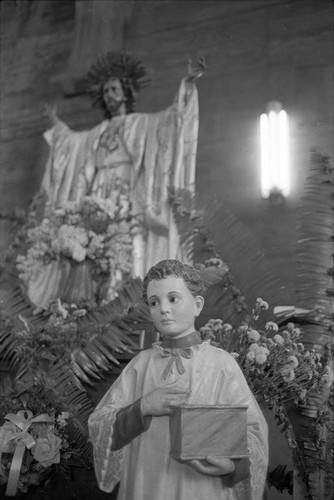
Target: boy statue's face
[[173, 308]]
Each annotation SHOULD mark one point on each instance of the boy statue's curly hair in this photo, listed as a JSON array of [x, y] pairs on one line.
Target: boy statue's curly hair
[[174, 267]]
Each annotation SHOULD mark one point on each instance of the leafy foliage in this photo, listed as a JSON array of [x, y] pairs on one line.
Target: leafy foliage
[[313, 422]]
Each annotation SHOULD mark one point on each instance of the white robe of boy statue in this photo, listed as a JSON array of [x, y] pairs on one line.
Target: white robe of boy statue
[[144, 466]]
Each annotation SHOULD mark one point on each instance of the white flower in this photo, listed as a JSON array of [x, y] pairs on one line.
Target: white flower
[[78, 253], [235, 355], [70, 206], [260, 358], [253, 347], [61, 310], [253, 335], [60, 211], [293, 361], [296, 332], [271, 326], [287, 373], [69, 240], [62, 418], [125, 205], [227, 327], [250, 356], [278, 339], [302, 394], [46, 450], [262, 304], [328, 376], [263, 350]]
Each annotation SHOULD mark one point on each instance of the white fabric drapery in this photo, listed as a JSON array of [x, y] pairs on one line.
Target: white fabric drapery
[[144, 466], [151, 152]]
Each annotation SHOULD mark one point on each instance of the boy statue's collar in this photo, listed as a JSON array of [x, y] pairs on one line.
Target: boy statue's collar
[[181, 342]]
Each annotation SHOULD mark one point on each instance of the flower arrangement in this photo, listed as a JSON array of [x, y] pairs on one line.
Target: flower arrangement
[[275, 363], [94, 231], [34, 438], [282, 375]]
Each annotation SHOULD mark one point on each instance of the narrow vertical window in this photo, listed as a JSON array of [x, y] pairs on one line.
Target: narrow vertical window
[[275, 164]]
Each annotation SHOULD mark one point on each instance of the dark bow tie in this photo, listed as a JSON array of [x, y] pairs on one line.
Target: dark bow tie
[[176, 349]]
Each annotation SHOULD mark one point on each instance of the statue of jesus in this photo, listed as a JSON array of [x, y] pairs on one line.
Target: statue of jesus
[[144, 155]]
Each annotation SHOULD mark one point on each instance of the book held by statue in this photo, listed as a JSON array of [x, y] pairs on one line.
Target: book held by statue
[[198, 431]]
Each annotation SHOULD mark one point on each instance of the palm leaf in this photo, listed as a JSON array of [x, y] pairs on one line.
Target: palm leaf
[[315, 251], [281, 479], [314, 422], [14, 302], [242, 253], [212, 226]]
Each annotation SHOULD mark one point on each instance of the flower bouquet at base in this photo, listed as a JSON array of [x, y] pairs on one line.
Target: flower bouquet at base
[[79, 251], [33, 442]]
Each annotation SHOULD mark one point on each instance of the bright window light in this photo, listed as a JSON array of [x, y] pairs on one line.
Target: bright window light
[[275, 167]]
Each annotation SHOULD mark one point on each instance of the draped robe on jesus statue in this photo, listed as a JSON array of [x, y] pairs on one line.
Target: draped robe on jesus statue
[[150, 152]]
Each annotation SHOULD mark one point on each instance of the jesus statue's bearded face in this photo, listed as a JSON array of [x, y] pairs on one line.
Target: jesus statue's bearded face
[[114, 97]]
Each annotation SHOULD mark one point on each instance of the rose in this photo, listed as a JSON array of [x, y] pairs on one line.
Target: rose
[[7, 432], [40, 430], [47, 450]]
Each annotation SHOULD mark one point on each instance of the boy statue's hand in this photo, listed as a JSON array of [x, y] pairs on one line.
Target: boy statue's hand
[[162, 400], [234, 471], [213, 466]]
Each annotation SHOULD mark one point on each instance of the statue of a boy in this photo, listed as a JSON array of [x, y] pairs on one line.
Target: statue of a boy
[[129, 428]]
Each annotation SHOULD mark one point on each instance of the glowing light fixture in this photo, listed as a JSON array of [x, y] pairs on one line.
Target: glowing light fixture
[[275, 164]]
